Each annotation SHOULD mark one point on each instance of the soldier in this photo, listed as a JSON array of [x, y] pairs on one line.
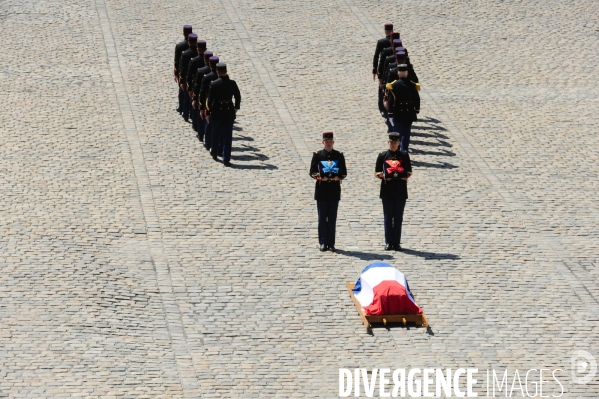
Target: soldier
[[328, 169], [380, 45], [402, 58], [394, 168], [387, 51], [208, 78], [222, 110], [194, 64], [403, 102], [386, 59], [197, 83], [179, 49], [187, 55]]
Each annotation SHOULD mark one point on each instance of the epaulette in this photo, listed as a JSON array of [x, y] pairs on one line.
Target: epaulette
[[417, 85], [389, 86]]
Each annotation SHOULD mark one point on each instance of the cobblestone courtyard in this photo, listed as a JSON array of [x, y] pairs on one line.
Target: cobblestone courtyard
[[134, 266]]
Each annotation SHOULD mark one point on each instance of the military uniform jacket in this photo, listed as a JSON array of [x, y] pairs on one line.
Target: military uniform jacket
[[393, 189], [404, 100], [179, 49], [388, 51], [197, 81], [392, 73], [219, 102], [329, 190], [194, 64], [184, 63], [380, 45], [208, 78]]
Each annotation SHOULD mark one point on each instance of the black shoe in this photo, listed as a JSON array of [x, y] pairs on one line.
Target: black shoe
[[397, 247], [332, 248], [227, 164], [323, 247], [388, 247], [179, 110], [214, 157]]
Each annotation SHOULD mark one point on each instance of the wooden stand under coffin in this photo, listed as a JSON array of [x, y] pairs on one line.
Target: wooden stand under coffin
[[418, 319]]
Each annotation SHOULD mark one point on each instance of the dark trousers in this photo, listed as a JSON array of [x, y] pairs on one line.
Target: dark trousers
[[195, 116], [404, 129], [327, 220], [186, 104], [390, 126], [201, 127], [393, 213], [381, 106], [180, 100], [207, 135], [224, 131], [216, 147]]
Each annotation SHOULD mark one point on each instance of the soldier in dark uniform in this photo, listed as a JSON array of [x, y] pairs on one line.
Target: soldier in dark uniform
[[206, 80], [403, 101], [401, 58], [194, 64], [197, 83], [327, 162], [387, 51], [221, 110], [187, 55], [380, 45], [179, 49], [394, 168]]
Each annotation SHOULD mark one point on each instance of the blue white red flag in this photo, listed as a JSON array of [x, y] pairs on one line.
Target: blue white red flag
[[383, 290]]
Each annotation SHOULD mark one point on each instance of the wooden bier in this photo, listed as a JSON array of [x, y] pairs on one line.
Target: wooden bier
[[368, 320]]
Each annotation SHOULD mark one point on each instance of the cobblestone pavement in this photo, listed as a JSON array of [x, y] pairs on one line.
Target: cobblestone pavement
[[134, 266]]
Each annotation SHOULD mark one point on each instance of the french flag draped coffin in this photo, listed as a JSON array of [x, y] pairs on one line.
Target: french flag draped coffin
[[383, 290]]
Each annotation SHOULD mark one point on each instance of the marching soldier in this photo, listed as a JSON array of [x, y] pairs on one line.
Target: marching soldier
[[222, 110], [403, 101], [187, 55], [380, 45], [194, 64], [328, 169], [179, 49], [387, 51], [197, 83], [208, 78], [394, 169]]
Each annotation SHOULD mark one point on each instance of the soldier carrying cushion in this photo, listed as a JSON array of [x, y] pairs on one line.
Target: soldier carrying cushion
[[328, 169], [394, 168]]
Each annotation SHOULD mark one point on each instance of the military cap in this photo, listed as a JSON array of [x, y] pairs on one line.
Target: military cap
[[221, 67], [186, 30], [394, 35], [388, 26], [207, 55], [400, 55], [213, 60], [400, 48], [202, 44], [327, 135], [402, 67], [193, 39], [396, 43], [393, 136]]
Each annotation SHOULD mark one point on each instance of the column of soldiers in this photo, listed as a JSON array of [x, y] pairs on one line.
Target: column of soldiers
[[399, 105], [207, 95]]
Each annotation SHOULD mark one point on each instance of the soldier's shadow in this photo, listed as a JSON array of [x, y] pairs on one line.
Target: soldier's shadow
[[430, 128], [249, 153], [368, 256], [430, 255]]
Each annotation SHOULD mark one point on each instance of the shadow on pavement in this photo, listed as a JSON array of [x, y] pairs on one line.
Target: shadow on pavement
[[430, 255], [364, 255]]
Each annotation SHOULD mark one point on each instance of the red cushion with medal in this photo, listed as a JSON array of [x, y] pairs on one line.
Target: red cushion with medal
[[393, 169]]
